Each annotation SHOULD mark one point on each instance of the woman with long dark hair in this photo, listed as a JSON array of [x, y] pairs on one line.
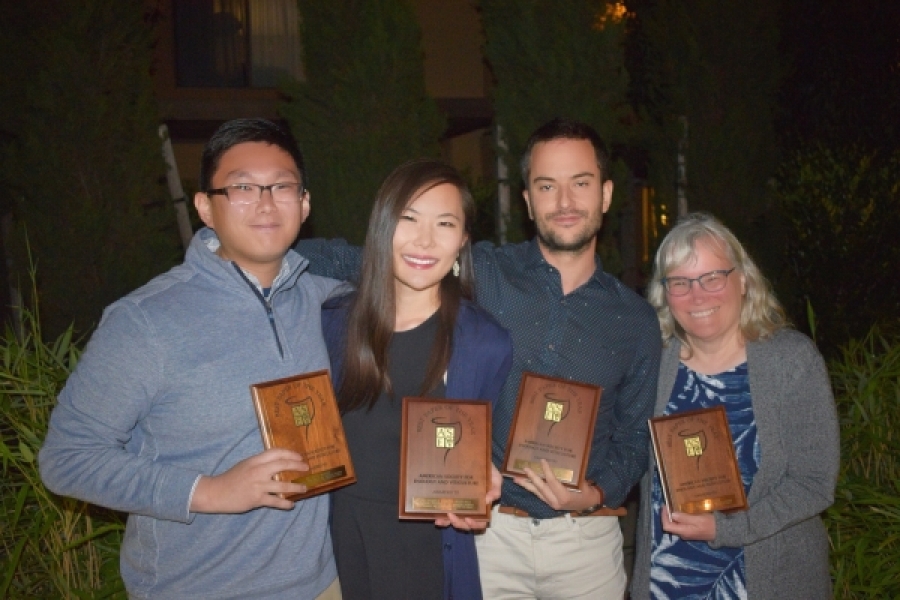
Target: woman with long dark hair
[[410, 329]]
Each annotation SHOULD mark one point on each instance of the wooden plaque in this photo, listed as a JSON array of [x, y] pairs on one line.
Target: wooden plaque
[[300, 413], [698, 469], [554, 420], [445, 458]]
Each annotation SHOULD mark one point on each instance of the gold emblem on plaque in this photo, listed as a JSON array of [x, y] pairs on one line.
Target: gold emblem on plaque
[[553, 411], [303, 411], [302, 415], [446, 434], [692, 446], [444, 437]]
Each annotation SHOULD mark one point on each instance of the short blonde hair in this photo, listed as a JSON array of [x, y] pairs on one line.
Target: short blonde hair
[[761, 313]]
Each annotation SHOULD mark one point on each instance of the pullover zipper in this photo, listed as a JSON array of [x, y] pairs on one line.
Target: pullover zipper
[[266, 304]]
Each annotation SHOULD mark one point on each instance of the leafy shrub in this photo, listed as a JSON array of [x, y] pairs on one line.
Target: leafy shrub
[[843, 211], [80, 161], [540, 53], [864, 522], [363, 108], [50, 546]]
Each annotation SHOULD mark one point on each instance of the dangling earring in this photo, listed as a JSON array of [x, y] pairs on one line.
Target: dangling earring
[[456, 268]]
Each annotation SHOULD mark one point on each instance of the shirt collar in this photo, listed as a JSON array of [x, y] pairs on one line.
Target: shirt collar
[[212, 243], [534, 259]]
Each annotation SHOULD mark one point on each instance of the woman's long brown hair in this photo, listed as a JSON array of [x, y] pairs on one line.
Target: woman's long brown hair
[[372, 314]]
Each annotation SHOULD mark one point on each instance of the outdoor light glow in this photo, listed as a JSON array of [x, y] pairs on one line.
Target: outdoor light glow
[[615, 13]]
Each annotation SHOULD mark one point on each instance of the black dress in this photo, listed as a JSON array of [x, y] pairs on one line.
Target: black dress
[[379, 556]]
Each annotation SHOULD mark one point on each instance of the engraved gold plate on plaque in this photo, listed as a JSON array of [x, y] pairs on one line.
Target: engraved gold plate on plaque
[[561, 474], [300, 413], [554, 420], [698, 469], [445, 458]]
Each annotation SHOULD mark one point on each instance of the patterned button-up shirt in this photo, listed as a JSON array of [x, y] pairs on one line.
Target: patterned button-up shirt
[[601, 333]]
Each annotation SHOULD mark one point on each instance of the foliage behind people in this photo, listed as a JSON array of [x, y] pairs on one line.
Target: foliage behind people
[[551, 59], [864, 522], [50, 546], [843, 212], [363, 108], [81, 161], [705, 77]]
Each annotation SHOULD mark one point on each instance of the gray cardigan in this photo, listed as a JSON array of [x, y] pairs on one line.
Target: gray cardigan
[[784, 540]]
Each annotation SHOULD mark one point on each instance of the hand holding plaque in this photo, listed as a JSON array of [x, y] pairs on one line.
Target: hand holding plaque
[[300, 413], [445, 458], [698, 470], [554, 420]]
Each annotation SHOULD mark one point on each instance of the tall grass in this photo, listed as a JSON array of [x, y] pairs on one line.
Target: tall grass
[[864, 522], [50, 546]]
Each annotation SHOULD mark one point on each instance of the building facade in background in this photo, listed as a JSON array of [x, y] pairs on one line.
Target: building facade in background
[[222, 59]]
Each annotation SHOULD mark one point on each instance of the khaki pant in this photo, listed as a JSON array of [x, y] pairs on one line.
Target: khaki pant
[[332, 592], [566, 558]]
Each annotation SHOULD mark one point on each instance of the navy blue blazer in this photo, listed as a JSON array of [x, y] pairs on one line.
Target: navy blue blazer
[[480, 360]]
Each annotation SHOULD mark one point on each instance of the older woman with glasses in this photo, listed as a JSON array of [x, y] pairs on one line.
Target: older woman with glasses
[[727, 343]]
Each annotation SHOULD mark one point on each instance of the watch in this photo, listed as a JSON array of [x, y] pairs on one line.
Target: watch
[[591, 509]]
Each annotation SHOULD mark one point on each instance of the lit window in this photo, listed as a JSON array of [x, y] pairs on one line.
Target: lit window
[[236, 43]]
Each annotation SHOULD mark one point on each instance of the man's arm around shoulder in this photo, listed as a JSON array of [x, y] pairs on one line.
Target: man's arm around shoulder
[[331, 258]]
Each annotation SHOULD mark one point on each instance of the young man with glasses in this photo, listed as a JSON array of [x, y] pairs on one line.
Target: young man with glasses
[[157, 419], [568, 319]]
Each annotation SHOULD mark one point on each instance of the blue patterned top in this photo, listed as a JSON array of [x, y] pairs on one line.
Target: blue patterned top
[[692, 569]]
